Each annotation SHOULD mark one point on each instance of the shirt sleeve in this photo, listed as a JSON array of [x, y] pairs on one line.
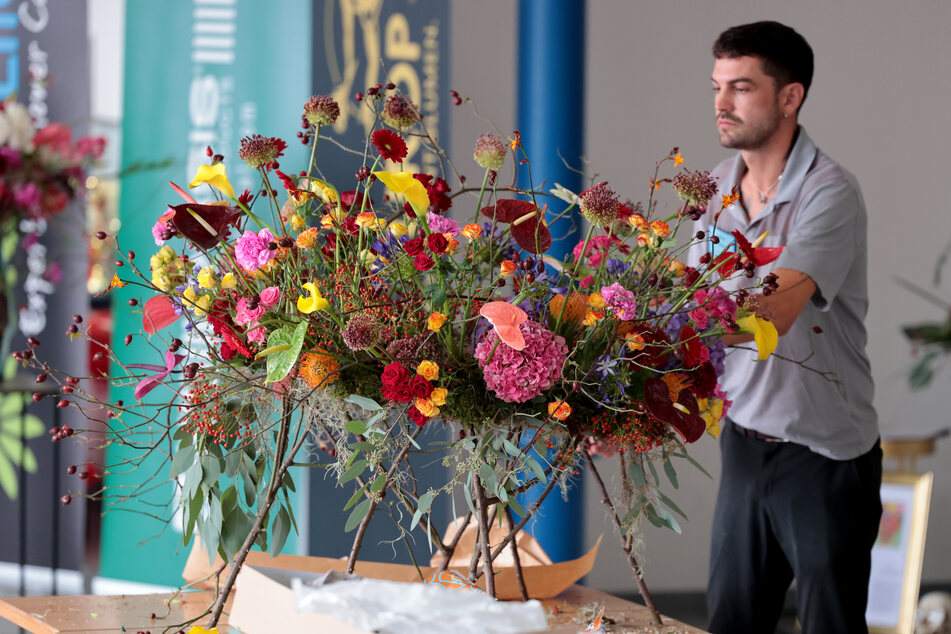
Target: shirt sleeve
[[823, 241]]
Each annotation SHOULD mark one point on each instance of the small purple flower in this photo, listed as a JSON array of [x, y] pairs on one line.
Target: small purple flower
[[252, 250]]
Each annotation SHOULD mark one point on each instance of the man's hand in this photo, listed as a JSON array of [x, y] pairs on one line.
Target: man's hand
[[795, 289]]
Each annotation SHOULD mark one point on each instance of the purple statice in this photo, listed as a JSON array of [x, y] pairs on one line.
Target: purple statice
[[616, 267], [717, 355]]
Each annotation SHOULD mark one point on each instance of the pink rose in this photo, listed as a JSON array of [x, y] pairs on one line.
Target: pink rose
[[245, 314], [270, 296], [257, 335]]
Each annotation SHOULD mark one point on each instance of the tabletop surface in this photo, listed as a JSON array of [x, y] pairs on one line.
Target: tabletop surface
[[134, 613]]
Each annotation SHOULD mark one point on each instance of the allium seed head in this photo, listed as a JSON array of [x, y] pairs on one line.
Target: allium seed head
[[600, 205], [361, 332], [321, 110], [400, 112], [695, 188], [489, 152], [257, 151]]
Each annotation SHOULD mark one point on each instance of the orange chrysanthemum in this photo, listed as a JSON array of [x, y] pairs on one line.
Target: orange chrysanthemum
[[318, 369]]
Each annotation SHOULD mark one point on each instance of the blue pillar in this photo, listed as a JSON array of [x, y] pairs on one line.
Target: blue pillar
[[551, 36]]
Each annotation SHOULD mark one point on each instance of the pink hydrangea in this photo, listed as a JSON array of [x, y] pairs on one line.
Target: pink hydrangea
[[516, 376], [442, 224], [620, 300], [597, 247], [251, 249], [270, 296], [245, 314]]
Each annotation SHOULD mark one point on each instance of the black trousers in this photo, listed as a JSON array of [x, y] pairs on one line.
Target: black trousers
[[785, 512]]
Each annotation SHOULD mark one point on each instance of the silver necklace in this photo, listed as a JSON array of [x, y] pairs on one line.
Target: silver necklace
[[764, 194]]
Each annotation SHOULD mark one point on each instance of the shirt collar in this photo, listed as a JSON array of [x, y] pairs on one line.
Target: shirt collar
[[801, 158]]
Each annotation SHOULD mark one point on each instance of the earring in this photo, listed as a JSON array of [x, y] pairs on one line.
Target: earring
[[785, 115]]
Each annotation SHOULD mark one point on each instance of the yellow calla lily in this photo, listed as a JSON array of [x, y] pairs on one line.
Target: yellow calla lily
[[197, 629], [763, 331], [403, 183], [215, 176], [313, 302]]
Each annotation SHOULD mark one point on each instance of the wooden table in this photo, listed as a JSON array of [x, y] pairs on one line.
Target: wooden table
[[109, 614]]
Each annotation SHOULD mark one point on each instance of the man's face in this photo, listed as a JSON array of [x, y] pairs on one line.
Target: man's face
[[746, 103]]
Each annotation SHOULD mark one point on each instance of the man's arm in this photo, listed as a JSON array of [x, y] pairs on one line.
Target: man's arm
[[793, 293]]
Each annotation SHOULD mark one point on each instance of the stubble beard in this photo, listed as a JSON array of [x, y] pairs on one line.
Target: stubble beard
[[751, 136]]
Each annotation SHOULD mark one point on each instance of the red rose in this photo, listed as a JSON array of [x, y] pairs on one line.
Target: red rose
[[423, 262], [420, 387], [417, 416], [414, 246], [350, 225], [394, 373], [437, 243]]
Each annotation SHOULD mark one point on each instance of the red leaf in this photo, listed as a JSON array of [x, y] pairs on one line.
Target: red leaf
[[657, 398], [757, 255], [158, 313], [532, 235], [508, 210]]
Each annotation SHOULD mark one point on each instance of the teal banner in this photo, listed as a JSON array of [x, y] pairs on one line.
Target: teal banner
[[198, 74]]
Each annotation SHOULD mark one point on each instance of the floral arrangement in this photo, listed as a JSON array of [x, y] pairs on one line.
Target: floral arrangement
[[345, 318], [931, 340]]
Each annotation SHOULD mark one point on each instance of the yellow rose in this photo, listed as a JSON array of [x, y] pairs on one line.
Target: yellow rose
[[438, 396], [596, 301], [428, 369], [559, 410], [367, 219], [398, 229], [298, 223], [426, 407], [472, 231], [435, 321]]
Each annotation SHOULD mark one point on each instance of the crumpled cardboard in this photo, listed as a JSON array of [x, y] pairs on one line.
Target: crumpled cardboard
[[543, 581]]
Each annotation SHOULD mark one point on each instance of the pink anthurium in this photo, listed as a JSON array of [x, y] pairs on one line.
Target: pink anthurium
[[148, 384]]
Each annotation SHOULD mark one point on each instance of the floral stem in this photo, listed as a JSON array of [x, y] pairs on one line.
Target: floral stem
[[515, 556], [482, 517], [625, 545]]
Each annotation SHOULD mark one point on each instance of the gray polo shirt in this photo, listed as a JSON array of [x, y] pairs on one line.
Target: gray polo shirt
[[819, 214]]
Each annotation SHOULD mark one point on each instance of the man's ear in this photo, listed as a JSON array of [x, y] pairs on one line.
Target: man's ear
[[791, 97]]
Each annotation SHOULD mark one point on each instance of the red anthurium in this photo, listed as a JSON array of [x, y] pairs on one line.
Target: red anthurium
[[725, 263], [204, 225], [157, 313], [684, 416], [148, 384], [528, 225]]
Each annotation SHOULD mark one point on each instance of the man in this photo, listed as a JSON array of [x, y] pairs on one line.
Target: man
[[799, 495]]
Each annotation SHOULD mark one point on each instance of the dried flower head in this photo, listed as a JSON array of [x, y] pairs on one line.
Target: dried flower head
[[321, 110], [258, 151], [695, 188], [361, 332], [600, 204], [489, 152], [412, 349], [400, 112]]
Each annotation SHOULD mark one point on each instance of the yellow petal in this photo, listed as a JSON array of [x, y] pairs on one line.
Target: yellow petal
[[403, 183], [313, 302], [215, 176], [764, 333]]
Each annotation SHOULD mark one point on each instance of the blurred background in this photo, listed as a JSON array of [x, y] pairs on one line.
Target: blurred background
[[161, 81]]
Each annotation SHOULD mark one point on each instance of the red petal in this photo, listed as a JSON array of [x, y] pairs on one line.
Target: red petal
[[219, 218], [532, 235], [765, 255], [508, 210], [158, 313]]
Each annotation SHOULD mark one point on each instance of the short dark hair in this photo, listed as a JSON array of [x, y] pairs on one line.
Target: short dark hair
[[786, 56]]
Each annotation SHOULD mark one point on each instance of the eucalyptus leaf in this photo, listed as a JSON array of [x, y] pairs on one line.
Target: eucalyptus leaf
[[234, 531], [232, 463], [279, 531], [229, 500], [355, 470], [182, 460], [666, 500], [425, 501], [670, 471], [378, 484], [669, 519], [637, 474], [250, 490], [280, 363], [358, 427], [357, 515], [356, 496], [211, 468], [361, 401]]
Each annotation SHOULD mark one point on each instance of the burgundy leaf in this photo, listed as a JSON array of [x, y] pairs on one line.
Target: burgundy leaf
[[532, 235], [217, 217], [508, 210]]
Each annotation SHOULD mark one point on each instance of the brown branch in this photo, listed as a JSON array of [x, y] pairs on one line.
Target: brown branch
[[518, 561], [625, 545], [482, 517]]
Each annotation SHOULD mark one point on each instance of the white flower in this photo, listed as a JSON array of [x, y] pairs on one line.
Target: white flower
[[16, 127]]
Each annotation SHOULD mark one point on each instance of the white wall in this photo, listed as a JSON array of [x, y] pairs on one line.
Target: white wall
[[878, 105]]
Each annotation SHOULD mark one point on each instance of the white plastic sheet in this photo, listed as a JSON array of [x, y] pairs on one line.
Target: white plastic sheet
[[391, 607]]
